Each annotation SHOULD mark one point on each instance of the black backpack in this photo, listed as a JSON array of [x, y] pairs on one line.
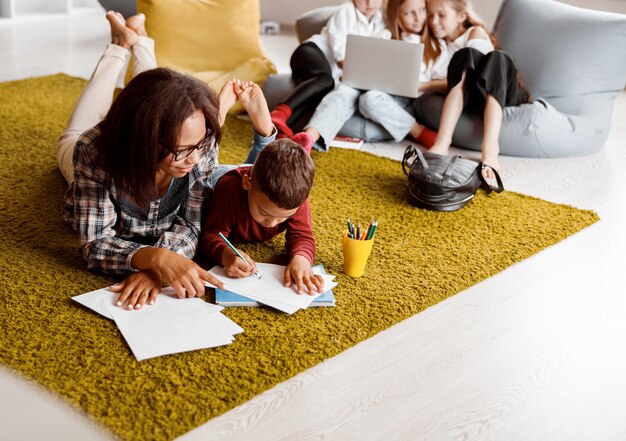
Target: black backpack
[[443, 183]]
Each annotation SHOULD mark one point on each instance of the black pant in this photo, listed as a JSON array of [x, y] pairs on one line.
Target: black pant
[[492, 74], [313, 76]]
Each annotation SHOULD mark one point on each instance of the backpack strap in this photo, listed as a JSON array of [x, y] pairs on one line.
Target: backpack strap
[[448, 173], [410, 152], [483, 182]]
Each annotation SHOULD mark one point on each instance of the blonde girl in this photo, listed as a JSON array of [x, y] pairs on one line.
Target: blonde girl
[[480, 78], [406, 20]]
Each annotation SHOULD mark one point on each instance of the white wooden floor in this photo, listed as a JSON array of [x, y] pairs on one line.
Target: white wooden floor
[[537, 352]]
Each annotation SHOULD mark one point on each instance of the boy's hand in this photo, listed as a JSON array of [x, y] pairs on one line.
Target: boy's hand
[[299, 272], [234, 266]]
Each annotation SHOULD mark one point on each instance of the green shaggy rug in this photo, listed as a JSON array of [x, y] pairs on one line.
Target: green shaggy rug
[[419, 259]]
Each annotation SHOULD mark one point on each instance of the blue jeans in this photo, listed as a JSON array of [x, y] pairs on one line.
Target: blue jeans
[[333, 111], [258, 143], [394, 113]]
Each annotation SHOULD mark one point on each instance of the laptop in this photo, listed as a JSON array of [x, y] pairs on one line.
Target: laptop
[[391, 66]]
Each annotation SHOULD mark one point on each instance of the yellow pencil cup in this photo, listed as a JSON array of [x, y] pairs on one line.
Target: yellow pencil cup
[[355, 255]]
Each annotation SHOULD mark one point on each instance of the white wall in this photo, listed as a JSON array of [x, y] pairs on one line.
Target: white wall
[[286, 11]]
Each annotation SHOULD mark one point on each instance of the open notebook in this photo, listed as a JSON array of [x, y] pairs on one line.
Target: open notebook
[[229, 298]]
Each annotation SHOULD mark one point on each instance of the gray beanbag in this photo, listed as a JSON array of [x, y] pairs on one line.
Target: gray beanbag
[[573, 62]]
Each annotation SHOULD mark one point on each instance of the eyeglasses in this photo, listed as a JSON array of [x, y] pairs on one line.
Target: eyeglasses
[[184, 151]]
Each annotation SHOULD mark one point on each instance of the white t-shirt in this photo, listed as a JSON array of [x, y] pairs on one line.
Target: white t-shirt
[[435, 71], [438, 70], [346, 20], [483, 45], [416, 39]]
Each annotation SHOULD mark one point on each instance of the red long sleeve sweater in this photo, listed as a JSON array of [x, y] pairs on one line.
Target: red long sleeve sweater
[[230, 215]]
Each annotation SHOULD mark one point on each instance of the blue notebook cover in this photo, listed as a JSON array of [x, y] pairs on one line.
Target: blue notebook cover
[[228, 298]]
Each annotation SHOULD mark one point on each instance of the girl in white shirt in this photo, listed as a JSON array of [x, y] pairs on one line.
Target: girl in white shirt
[[339, 105], [316, 64], [406, 20], [480, 78]]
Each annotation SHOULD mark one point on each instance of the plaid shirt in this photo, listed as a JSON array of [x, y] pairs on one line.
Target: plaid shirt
[[111, 228]]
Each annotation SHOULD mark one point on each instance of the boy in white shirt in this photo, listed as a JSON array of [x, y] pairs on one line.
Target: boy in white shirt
[[317, 63]]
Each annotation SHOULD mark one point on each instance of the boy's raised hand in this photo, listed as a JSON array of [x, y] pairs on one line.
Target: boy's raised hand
[[299, 272], [234, 266]]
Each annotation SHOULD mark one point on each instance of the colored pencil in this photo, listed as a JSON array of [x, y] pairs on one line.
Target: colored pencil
[[372, 230]]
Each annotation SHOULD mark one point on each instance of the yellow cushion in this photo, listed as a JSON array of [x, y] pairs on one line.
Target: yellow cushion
[[217, 39], [200, 35]]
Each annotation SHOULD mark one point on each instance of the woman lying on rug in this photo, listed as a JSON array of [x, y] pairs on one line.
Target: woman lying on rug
[[138, 178]]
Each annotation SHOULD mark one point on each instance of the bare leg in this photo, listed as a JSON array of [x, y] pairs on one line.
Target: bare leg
[[253, 101], [452, 109], [492, 125]]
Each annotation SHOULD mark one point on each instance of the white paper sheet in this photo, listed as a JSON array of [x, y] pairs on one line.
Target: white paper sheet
[[226, 324], [176, 325], [270, 289], [169, 326], [97, 300]]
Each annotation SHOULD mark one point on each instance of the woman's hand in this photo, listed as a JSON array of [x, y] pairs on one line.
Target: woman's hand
[[299, 272], [181, 273], [138, 288]]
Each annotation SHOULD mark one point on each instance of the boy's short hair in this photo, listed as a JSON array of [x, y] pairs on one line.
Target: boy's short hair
[[284, 172]]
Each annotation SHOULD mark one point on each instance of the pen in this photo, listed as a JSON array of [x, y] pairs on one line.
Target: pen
[[256, 273]]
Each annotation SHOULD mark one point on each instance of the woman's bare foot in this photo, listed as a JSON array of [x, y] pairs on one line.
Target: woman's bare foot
[[227, 99], [138, 24], [253, 101], [120, 34]]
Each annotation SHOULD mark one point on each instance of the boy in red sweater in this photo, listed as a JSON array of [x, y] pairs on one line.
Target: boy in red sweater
[[256, 203]]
